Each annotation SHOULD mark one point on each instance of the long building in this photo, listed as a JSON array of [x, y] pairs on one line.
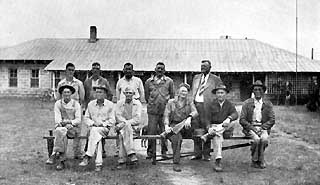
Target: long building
[[32, 67]]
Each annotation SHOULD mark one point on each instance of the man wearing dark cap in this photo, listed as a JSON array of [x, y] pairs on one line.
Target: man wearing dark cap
[[67, 114], [94, 81], [202, 86], [221, 113], [158, 90], [177, 110], [99, 117], [257, 118]]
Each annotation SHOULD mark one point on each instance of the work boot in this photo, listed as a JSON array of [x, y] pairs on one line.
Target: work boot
[[255, 164], [60, 166], [206, 158], [176, 168], [195, 157], [98, 168], [262, 164], [104, 155], [85, 161], [218, 167], [51, 159], [133, 158]]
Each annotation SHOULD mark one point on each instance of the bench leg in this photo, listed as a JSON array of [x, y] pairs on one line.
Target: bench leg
[[154, 155], [50, 146]]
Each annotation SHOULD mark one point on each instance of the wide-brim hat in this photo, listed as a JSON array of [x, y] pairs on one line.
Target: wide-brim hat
[[185, 85], [61, 88], [258, 83], [220, 86], [100, 87]]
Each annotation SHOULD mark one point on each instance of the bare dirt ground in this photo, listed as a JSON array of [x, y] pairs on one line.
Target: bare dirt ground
[[293, 156]]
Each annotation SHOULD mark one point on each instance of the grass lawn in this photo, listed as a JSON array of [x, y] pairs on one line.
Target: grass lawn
[[293, 156]]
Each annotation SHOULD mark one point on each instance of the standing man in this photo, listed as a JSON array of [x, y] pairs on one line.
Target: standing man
[[128, 118], [67, 116], [178, 110], [202, 86], [100, 117], [78, 96], [222, 113], [257, 118], [95, 80], [130, 81], [158, 90]]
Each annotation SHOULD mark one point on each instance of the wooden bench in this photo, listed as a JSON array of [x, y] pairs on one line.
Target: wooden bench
[[50, 140]]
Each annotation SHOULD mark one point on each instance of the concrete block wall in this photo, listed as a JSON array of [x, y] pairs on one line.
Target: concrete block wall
[[24, 80]]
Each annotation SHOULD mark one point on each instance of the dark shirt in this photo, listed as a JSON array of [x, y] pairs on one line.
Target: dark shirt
[[157, 94], [218, 114]]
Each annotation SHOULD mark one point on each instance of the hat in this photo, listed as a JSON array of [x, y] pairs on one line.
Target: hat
[[71, 133], [61, 88], [100, 87], [258, 83], [185, 85], [220, 86]]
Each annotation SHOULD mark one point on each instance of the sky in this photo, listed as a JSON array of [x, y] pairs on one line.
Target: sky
[[270, 21]]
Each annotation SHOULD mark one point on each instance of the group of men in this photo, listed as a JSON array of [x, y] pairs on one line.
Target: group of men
[[205, 113]]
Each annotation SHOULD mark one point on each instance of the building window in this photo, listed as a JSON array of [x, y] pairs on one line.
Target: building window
[[13, 77], [35, 78], [57, 78]]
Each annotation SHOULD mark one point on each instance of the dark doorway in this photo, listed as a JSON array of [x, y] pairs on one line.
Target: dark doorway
[[245, 83]]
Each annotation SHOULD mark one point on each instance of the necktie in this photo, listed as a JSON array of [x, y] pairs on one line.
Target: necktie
[[201, 89]]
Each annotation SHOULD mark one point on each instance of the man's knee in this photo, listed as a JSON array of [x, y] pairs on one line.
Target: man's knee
[[61, 130]]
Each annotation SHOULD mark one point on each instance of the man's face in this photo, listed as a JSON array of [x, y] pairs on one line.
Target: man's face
[[100, 94], [221, 95], [160, 69], [129, 95], [70, 71], [128, 71], [95, 71], [205, 67], [183, 92], [66, 94], [258, 92]]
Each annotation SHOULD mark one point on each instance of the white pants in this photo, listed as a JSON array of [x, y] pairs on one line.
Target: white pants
[[217, 142], [126, 143], [95, 144]]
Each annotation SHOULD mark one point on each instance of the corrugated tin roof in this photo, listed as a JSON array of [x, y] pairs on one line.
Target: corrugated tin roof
[[226, 55]]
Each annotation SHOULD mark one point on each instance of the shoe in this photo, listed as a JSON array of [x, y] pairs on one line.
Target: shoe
[[85, 161], [104, 155], [176, 168], [60, 166], [98, 169], [133, 158], [255, 164], [206, 158], [120, 166], [77, 157], [218, 167], [262, 164], [51, 159], [195, 158]]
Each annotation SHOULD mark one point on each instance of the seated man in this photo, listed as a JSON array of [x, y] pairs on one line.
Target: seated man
[[222, 112], [100, 118], [176, 111], [128, 117], [257, 119], [67, 115]]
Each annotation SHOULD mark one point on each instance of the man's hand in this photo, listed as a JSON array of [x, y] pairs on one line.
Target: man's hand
[[96, 124], [119, 126], [226, 122], [64, 123], [211, 130], [188, 123], [69, 126], [257, 130], [167, 129]]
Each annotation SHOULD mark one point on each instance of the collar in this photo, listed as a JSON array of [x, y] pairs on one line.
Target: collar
[[64, 103], [258, 101], [73, 80], [162, 78], [98, 104], [221, 104]]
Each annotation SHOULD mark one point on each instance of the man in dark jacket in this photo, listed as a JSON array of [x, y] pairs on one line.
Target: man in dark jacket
[[257, 118], [222, 113]]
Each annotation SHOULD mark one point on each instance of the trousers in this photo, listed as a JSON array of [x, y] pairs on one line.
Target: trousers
[[155, 124], [126, 144], [260, 142], [95, 143]]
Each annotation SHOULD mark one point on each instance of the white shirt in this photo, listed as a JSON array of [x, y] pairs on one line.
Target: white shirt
[[135, 83], [100, 114], [257, 116], [199, 98]]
